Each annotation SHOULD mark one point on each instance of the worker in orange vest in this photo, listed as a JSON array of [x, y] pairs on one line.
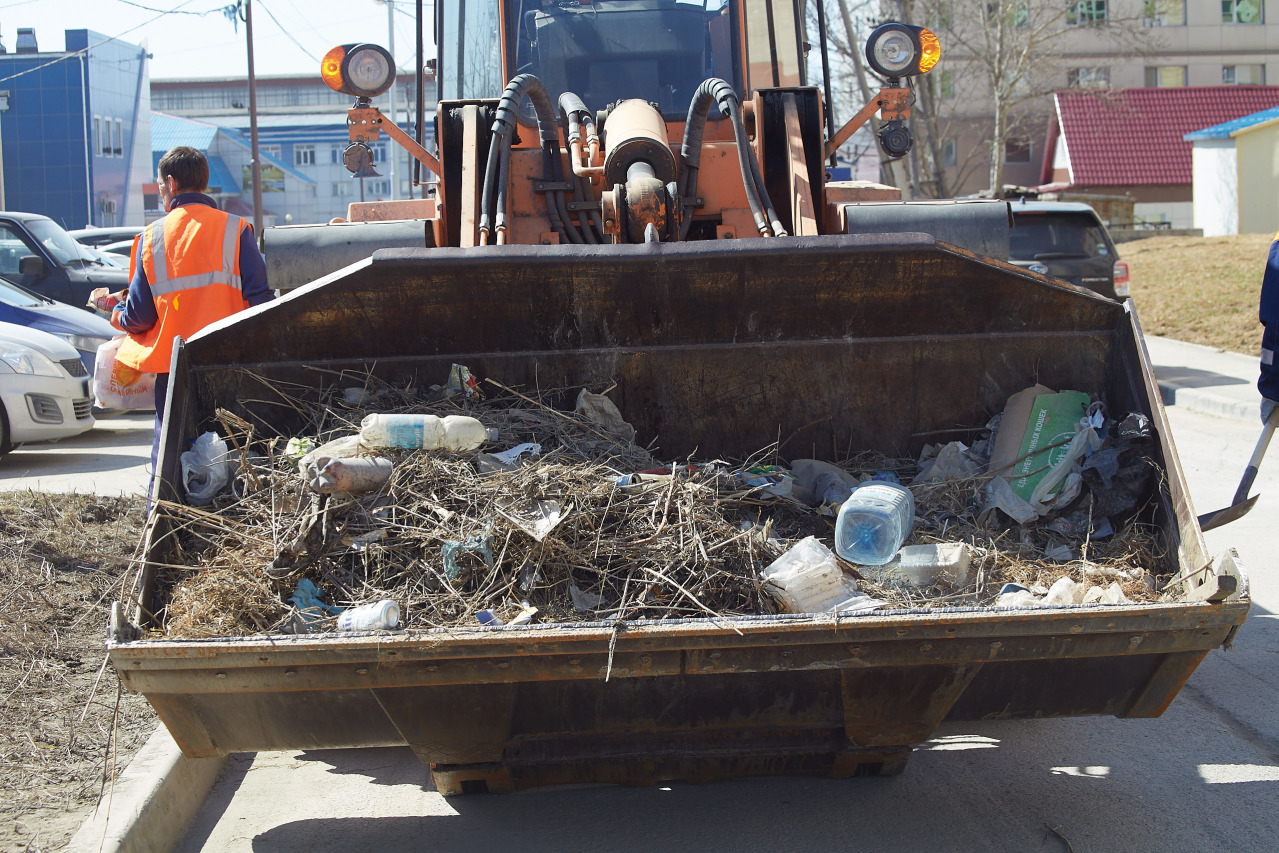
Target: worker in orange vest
[[193, 267]]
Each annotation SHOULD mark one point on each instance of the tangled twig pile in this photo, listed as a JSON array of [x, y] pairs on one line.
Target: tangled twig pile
[[570, 532]]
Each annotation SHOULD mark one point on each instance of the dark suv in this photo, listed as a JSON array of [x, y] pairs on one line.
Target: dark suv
[[1069, 241], [36, 253]]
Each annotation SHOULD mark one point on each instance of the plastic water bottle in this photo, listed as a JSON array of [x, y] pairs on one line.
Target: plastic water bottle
[[423, 432], [874, 522], [381, 615], [357, 475]]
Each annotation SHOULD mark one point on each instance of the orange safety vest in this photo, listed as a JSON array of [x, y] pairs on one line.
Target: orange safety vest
[[192, 261]]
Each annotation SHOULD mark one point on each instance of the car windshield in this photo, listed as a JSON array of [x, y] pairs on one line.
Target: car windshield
[[1038, 235], [61, 245], [604, 51], [17, 297]]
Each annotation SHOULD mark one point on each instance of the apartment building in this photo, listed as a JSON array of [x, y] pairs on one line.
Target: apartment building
[[1093, 45]]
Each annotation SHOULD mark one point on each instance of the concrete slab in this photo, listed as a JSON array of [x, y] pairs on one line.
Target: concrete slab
[[113, 458]]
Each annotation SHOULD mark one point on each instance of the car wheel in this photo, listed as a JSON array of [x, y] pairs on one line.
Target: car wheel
[[5, 444]]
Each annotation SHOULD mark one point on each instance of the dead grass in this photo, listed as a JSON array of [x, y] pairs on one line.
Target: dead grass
[[64, 727], [1200, 289]]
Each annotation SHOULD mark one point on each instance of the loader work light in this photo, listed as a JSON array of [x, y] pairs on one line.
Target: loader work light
[[902, 50], [363, 70]]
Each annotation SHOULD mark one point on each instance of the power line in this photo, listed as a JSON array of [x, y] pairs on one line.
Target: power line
[[84, 50], [178, 11], [271, 15]]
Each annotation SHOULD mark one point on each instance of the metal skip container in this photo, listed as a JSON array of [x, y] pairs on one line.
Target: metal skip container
[[846, 341]]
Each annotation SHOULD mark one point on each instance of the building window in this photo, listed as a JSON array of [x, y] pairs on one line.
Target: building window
[[1016, 152], [341, 189], [303, 155], [97, 135], [379, 153], [1086, 13], [379, 188], [1165, 75], [946, 85], [1165, 13], [1243, 75], [1241, 11], [119, 137], [1088, 78], [269, 151], [335, 154], [105, 139], [948, 155]]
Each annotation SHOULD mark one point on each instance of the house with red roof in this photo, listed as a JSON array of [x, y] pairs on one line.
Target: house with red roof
[[1132, 141]]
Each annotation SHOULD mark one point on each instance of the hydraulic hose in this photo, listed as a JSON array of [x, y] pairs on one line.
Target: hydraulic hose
[[706, 95], [745, 157], [779, 230], [716, 91], [504, 124], [576, 114]]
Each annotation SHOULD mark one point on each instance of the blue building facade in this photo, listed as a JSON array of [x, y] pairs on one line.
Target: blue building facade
[[77, 135]]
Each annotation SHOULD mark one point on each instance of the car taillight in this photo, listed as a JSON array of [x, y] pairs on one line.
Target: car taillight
[[1121, 279]]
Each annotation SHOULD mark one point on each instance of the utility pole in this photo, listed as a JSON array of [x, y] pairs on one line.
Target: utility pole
[[391, 147], [253, 126], [4, 107]]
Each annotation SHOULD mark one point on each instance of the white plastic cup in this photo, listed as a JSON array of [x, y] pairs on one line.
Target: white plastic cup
[[874, 522], [381, 615]]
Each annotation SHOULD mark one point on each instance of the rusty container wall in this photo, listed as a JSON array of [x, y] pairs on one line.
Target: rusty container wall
[[824, 345]]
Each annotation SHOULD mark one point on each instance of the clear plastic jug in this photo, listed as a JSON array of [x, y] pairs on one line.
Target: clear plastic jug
[[874, 522]]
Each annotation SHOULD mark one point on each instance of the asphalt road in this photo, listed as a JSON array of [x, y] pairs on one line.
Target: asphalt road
[[1205, 776], [113, 458]]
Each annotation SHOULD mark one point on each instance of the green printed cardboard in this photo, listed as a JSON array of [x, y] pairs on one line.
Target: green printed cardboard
[[1034, 421]]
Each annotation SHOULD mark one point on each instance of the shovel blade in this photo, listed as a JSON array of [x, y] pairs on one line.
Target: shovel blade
[[1210, 520]]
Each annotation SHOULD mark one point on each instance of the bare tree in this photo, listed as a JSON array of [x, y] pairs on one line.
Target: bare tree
[[1018, 51], [1004, 57], [846, 29]]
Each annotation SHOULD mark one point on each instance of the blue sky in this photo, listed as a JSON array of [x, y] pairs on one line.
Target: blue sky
[[193, 38]]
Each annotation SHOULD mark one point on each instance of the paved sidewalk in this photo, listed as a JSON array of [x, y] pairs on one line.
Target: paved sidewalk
[[1206, 380]]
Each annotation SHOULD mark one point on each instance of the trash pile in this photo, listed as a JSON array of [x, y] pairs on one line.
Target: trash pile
[[450, 508]]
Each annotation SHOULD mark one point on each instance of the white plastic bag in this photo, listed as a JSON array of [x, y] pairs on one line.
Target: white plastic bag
[[118, 386], [206, 468]]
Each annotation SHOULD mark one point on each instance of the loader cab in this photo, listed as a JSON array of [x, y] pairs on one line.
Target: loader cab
[[609, 50]]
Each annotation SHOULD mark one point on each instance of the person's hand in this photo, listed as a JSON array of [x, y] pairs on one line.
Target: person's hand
[[1267, 408], [103, 300]]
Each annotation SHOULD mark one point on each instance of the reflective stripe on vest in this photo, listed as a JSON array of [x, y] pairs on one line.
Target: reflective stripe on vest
[[163, 285]]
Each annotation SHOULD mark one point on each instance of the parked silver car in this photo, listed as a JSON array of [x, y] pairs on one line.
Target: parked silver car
[[44, 388]]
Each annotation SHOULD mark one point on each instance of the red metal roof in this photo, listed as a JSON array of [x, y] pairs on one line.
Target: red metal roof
[[1119, 137]]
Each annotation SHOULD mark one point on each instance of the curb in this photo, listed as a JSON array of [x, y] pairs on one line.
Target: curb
[[152, 802], [1208, 403], [1205, 379]]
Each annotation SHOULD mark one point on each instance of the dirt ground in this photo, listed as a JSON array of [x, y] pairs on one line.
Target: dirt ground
[[67, 729], [1200, 289]]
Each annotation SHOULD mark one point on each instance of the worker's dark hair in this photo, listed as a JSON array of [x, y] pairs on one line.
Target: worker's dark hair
[[187, 166]]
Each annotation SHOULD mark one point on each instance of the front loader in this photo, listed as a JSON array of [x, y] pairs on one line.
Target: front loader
[[644, 208]]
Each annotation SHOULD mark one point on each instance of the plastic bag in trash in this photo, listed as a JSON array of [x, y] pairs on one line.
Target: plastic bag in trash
[[206, 468], [601, 410]]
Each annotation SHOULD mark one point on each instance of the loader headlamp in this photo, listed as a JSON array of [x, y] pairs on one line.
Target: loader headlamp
[[363, 70], [902, 50]]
